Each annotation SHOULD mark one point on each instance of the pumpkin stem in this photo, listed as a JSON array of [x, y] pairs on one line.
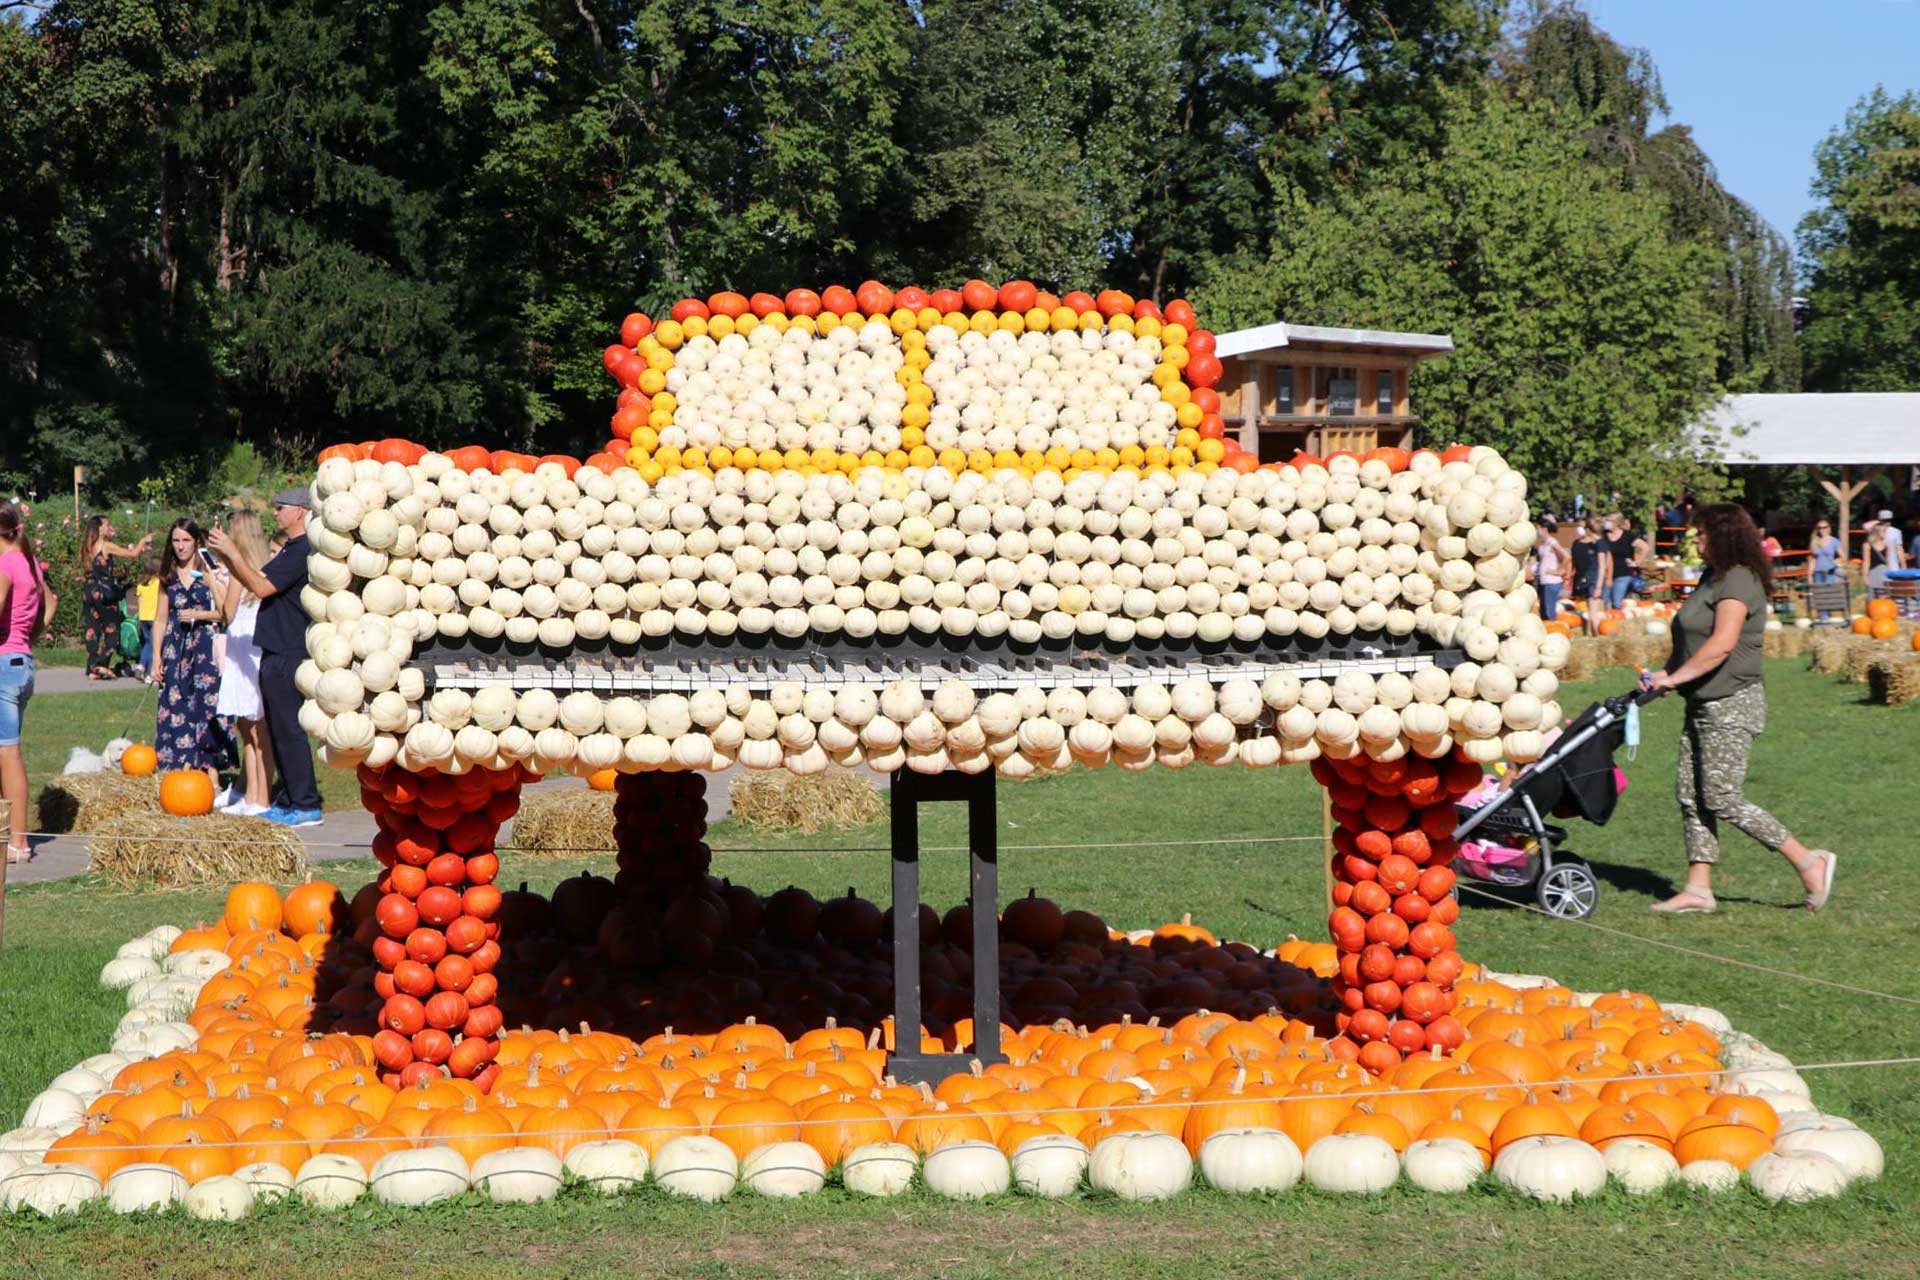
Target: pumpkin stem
[[926, 1091]]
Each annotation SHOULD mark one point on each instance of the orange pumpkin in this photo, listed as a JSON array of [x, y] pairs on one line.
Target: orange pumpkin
[[315, 907], [1882, 610], [188, 793], [1884, 628], [1711, 1137], [602, 779], [1862, 625], [250, 905], [139, 761]]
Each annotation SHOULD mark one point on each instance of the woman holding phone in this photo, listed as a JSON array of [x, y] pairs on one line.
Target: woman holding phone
[[187, 733]]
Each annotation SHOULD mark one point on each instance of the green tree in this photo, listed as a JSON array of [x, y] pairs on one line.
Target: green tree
[[1585, 334], [1861, 251], [1557, 54]]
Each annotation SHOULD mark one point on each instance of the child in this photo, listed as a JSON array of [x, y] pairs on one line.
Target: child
[[147, 596], [239, 695]]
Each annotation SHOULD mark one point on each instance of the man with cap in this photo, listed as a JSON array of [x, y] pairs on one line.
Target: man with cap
[[1896, 550], [281, 635]]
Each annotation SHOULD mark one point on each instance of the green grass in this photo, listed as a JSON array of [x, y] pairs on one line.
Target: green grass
[[60, 655], [1836, 770], [58, 722]]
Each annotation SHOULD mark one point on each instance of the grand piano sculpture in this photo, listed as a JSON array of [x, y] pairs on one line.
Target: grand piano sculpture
[[947, 537]]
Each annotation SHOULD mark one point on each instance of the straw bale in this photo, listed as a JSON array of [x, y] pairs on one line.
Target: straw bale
[[1894, 680], [563, 822], [215, 848], [780, 801], [89, 801], [1583, 659]]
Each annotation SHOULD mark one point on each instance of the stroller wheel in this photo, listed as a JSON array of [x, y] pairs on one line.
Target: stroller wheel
[[1568, 890]]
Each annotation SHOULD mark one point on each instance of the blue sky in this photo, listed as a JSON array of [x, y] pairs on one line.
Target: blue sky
[[1763, 81]]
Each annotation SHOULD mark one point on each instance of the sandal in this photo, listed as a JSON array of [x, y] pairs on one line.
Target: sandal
[[1831, 862], [1688, 902], [18, 854]]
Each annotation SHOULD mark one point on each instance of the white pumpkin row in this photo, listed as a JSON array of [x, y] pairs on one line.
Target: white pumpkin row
[[840, 391], [1490, 710], [1210, 556]]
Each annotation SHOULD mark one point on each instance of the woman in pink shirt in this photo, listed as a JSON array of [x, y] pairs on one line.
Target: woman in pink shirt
[[26, 607]]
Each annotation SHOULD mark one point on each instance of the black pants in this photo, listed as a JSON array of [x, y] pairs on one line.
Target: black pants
[[291, 754]]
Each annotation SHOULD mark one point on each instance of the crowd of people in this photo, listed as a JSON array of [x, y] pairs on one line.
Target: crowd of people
[[218, 629], [1605, 560]]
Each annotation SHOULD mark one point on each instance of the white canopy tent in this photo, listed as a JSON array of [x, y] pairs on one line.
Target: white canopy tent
[[1867, 430]]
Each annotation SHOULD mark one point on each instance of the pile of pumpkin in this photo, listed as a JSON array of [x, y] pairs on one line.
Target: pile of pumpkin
[[1881, 621], [219, 1093]]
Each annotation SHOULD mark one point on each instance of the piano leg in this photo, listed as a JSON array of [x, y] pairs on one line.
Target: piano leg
[[1392, 906], [909, 1063]]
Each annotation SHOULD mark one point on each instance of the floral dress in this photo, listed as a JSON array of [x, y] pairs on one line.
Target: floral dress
[[101, 614], [187, 733]]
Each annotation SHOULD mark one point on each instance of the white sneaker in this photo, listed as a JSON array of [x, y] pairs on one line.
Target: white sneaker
[[229, 798], [241, 809]]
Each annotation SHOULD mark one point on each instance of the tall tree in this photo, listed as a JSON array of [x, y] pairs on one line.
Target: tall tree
[[1861, 250], [1584, 332], [1556, 52]]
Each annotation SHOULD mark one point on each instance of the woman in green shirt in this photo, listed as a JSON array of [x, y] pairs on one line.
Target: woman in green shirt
[[1715, 667]]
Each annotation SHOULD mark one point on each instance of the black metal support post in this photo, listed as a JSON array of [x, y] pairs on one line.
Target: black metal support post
[[910, 790]]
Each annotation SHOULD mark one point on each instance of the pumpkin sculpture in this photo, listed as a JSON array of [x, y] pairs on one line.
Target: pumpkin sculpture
[[987, 469]]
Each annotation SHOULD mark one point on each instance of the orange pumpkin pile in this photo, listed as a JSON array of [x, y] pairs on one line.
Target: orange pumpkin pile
[[268, 1079]]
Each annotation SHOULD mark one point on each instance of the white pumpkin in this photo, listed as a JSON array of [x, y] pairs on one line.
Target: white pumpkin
[[967, 1170], [1852, 1148], [1443, 1165], [222, 1198], [1551, 1168], [267, 1180], [518, 1175], [30, 1142], [784, 1170], [136, 1188], [1710, 1175], [55, 1109], [122, 972], [1051, 1166], [1797, 1176], [697, 1167], [609, 1166], [879, 1168], [329, 1181], [1640, 1167], [50, 1190], [1141, 1166], [1251, 1160], [418, 1176], [1352, 1164]]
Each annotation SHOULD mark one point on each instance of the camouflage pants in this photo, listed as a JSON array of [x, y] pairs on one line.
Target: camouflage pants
[[1714, 746]]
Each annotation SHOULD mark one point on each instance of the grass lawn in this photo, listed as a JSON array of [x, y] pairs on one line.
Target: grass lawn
[[58, 722], [1835, 769], [60, 655]]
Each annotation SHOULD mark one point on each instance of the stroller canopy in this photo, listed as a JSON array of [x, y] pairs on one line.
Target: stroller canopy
[[1578, 782]]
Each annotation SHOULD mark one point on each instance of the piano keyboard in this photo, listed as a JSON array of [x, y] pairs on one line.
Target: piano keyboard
[[614, 676]]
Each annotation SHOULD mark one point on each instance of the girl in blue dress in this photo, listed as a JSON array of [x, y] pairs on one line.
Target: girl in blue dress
[[187, 734]]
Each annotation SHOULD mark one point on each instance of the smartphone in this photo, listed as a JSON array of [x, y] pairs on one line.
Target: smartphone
[[206, 558]]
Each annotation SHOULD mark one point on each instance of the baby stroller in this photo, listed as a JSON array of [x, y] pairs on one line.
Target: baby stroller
[[1517, 847]]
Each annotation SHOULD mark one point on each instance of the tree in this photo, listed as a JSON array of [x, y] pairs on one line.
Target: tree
[[1861, 251], [1584, 332], [1613, 94]]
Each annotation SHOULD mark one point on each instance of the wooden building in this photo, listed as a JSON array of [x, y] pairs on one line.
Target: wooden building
[[1290, 388]]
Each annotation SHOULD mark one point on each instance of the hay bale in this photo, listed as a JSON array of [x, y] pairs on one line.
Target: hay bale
[[1583, 659], [1860, 659], [781, 801], [216, 848], [563, 822], [89, 801], [1827, 650], [1894, 680], [1787, 642]]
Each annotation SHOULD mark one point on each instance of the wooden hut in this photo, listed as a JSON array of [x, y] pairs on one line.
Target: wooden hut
[[1289, 388]]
